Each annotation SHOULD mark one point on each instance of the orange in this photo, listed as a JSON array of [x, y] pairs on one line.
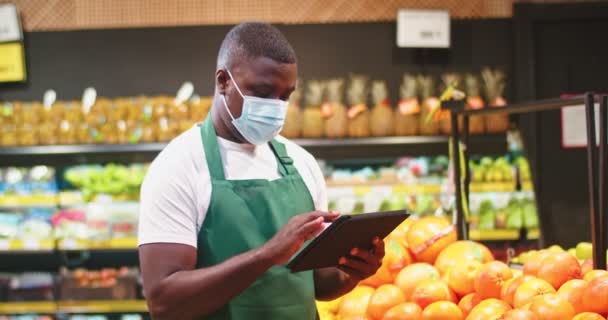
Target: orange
[[467, 303], [530, 289], [461, 277], [490, 279], [488, 309], [428, 236], [396, 258], [594, 274], [460, 251], [552, 307], [403, 311], [442, 310], [586, 266], [518, 314], [559, 268], [431, 291], [535, 262], [412, 275], [354, 304], [595, 295], [588, 316], [572, 291], [385, 297], [507, 292]]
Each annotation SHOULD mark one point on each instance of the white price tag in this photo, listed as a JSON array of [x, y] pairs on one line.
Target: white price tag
[[10, 28], [574, 126], [31, 244], [5, 244], [423, 28], [69, 244]]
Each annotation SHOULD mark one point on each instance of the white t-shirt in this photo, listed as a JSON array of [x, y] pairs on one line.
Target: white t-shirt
[[176, 191]]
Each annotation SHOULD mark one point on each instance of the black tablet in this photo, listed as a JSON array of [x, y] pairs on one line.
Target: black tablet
[[342, 235]]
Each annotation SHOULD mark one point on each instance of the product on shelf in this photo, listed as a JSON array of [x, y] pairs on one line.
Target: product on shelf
[[31, 286], [427, 274], [292, 128], [493, 170], [429, 126], [407, 115], [104, 284], [312, 118], [381, 116], [334, 110], [495, 86], [358, 113], [449, 80], [477, 123], [112, 179]]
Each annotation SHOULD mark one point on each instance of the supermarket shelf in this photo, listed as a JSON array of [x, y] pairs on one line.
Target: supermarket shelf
[[494, 235], [94, 306], [42, 307], [492, 143], [111, 244], [29, 200], [26, 246], [102, 306]]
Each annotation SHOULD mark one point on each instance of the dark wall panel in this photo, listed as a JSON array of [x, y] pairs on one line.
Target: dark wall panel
[[158, 60]]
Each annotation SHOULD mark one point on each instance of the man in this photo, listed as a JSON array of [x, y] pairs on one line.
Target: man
[[227, 203]]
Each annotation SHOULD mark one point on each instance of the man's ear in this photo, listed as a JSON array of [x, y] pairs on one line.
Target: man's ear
[[221, 81]]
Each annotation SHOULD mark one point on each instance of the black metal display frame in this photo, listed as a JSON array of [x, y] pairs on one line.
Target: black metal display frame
[[597, 163]]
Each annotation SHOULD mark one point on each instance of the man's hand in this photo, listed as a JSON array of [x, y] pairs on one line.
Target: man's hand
[[294, 234], [361, 264]]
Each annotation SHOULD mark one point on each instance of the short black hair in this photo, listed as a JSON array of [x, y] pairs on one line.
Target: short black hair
[[253, 40]]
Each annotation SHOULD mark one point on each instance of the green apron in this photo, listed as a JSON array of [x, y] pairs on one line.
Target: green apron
[[243, 215]]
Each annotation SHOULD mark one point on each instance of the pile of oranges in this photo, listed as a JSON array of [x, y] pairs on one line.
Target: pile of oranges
[[427, 274]]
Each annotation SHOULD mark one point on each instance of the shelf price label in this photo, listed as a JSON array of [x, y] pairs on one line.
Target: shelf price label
[[31, 244], [5, 244], [423, 28], [10, 27]]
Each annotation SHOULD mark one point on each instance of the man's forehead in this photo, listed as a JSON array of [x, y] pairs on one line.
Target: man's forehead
[[266, 67]]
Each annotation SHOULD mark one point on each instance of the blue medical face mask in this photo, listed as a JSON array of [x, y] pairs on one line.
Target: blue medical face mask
[[261, 119]]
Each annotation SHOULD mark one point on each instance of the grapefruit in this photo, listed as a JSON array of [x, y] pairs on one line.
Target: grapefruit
[[529, 290], [535, 262], [467, 303], [489, 309], [400, 233], [412, 275], [354, 304], [442, 310], [490, 279], [588, 316], [558, 268], [385, 297], [461, 276], [572, 291], [595, 295], [518, 314], [552, 307], [586, 266], [431, 291], [460, 251], [403, 311], [428, 236], [594, 274], [396, 258], [507, 292]]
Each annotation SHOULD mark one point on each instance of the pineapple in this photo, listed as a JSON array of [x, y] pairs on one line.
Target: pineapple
[[292, 127], [382, 114], [426, 85], [443, 116], [312, 122], [334, 111], [495, 86], [474, 102], [358, 114], [407, 116]]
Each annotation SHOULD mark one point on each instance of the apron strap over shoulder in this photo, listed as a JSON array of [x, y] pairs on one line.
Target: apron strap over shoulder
[[286, 166], [212, 150]]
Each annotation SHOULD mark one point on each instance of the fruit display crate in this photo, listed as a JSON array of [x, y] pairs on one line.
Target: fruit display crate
[[71, 307]]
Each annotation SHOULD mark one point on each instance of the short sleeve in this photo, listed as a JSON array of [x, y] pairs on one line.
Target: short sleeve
[[168, 209]]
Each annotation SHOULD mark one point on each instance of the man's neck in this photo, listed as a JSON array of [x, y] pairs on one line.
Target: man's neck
[[222, 128]]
